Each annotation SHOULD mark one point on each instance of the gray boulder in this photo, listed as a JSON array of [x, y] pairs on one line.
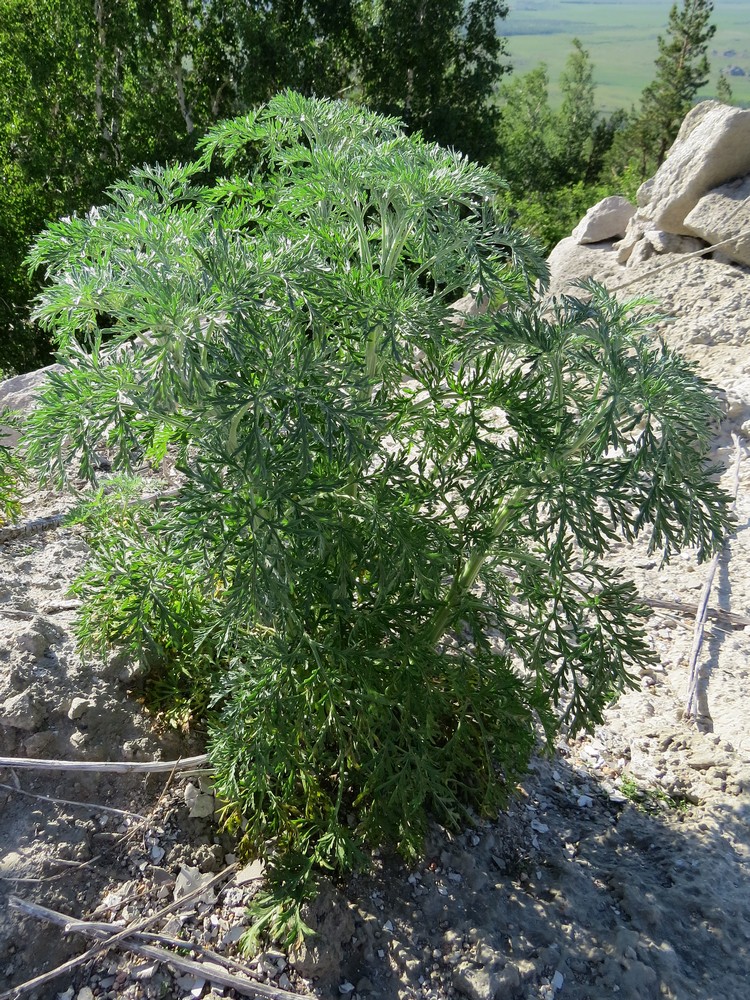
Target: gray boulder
[[18, 394], [670, 243], [724, 214], [571, 262], [607, 220], [633, 235], [711, 148], [472, 304]]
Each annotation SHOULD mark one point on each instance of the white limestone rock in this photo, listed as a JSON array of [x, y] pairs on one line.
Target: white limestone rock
[[607, 220], [640, 253], [571, 262], [633, 235], [18, 394], [724, 214], [671, 243], [711, 148]]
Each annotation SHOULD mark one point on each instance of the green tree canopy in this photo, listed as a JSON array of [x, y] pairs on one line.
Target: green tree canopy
[[89, 88], [435, 64], [552, 159], [682, 68]]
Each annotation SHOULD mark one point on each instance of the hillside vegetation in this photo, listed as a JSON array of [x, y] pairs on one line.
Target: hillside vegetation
[[621, 37], [89, 91]]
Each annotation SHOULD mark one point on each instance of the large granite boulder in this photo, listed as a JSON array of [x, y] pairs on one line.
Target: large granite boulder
[[711, 148], [18, 394], [723, 216]]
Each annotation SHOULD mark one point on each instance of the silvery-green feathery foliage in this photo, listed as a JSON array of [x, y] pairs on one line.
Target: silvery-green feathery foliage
[[384, 575], [12, 473]]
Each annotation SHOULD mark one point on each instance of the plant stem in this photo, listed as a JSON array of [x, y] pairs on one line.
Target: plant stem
[[467, 575]]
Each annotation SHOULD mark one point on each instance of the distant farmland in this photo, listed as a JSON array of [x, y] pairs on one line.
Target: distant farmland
[[621, 37]]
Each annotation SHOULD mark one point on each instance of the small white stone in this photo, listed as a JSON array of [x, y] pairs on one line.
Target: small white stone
[[585, 801], [141, 973], [203, 806], [190, 794], [233, 935], [251, 873], [346, 987], [78, 707], [193, 984], [558, 981], [388, 926]]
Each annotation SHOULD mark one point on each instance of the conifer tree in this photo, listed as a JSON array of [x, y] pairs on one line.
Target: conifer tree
[[682, 68], [724, 90], [577, 119]]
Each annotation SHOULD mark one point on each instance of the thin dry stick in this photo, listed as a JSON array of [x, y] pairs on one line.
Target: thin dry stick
[[91, 926], [105, 945], [94, 806], [111, 766], [105, 929], [22, 615], [211, 973], [681, 257], [52, 878], [718, 614], [154, 809], [40, 524], [34, 527], [58, 607], [691, 708]]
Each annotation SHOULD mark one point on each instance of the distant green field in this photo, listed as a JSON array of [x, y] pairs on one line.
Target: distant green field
[[621, 37]]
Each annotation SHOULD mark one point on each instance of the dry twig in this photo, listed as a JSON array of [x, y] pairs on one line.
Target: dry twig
[[93, 806], [37, 879], [214, 970], [35, 527], [691, 610], [103, 766], [93, 928], [109, 942], [41, 524]]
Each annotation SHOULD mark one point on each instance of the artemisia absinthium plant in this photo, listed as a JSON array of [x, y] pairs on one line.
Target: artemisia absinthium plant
[[12, 472], [367, 480]]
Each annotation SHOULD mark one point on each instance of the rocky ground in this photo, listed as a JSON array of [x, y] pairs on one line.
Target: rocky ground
[[621, 869]]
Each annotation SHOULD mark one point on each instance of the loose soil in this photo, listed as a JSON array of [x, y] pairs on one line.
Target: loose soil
[[621, 868]]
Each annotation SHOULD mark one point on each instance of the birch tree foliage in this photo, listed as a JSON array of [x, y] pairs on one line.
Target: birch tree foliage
[[436, 64]]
